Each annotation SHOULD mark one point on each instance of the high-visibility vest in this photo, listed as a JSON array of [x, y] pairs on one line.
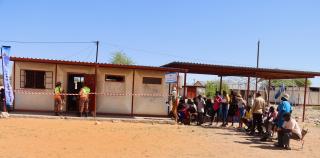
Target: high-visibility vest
[[57, 90], [86, 90]]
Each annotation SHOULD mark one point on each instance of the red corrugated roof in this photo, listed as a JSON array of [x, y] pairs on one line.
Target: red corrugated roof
[[223, 70]]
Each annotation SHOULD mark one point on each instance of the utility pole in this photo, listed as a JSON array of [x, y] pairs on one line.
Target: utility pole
[[97, 51], [258, 56], [96, 79]]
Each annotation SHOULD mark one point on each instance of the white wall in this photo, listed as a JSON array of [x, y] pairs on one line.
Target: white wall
[[150, 105], [29, 101], [143, 105], [114, 104]]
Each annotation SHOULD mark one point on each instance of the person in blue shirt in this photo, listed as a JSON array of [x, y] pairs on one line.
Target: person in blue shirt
[[284, 107]]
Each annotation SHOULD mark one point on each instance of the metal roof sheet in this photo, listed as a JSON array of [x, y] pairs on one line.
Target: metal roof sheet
[[70, 62], [224, 70]]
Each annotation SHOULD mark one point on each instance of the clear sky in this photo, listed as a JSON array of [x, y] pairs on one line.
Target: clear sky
[[158, 32]]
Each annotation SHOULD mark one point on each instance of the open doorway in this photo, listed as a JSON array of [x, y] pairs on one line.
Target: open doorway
[[75, 83]]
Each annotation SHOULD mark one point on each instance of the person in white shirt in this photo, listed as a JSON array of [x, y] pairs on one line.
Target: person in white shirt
[[290, 129], [200, 103]]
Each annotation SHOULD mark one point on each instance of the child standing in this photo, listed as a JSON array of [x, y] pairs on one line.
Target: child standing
[[241, 105]]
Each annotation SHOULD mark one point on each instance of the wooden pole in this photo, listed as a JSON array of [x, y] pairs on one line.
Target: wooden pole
[[305, 99]]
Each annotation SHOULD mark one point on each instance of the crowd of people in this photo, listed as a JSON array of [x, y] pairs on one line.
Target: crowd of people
[[253, 116]]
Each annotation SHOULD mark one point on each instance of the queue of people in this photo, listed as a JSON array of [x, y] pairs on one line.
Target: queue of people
[[255, 117]]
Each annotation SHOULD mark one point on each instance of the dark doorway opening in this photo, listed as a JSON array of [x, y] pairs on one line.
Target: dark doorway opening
[[75, 83]]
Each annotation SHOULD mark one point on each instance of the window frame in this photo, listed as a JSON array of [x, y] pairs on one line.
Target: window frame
[[23, 79], [152, 83], [122, 76]]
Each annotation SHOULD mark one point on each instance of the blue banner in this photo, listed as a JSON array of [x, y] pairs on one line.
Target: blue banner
[[281, 90], [5, 53]]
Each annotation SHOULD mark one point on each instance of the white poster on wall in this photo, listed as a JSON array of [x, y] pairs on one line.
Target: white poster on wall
[[171, 77]]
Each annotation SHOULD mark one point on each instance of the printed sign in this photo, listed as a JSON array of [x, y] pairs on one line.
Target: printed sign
[[171, 77], [5, 52]]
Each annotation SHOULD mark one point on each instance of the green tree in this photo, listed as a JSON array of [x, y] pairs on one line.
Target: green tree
[[213, 86], [121, 58]]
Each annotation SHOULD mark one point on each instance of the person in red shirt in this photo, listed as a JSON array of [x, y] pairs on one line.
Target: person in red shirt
[[216, 106]]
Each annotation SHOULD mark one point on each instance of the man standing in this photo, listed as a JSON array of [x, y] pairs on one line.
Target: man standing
[[258, 110], [58, 99], [200, 108], [84, 101], [174, 103]]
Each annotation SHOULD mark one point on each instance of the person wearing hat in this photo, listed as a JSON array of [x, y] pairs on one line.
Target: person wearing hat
[[284, 107], [58, 99]]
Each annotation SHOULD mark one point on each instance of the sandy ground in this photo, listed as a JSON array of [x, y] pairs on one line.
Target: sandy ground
[[29, 138]]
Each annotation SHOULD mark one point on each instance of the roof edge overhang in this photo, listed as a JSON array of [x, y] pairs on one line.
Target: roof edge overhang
[[224, 70], [80, 63]]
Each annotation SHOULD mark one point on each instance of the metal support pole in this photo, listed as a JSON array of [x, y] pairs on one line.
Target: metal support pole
[[96, 78], [185, 86], [248, 89], [220, 88], [258, 57], [305, 99], [269, 86], [97, 51], [133, 91], [178, 78]]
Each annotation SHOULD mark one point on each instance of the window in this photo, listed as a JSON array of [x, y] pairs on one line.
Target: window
[[36, 79], [152, 80], [114, 78]]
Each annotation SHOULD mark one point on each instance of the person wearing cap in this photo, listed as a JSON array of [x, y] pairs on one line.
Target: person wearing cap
[[58, 99], [84, 101], [284, 107], [258, 109]]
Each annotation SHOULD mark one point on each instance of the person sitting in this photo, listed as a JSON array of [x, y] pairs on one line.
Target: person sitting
[[182, 111], [289, 129], [192, 109], [269, 123], [247, 119]]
